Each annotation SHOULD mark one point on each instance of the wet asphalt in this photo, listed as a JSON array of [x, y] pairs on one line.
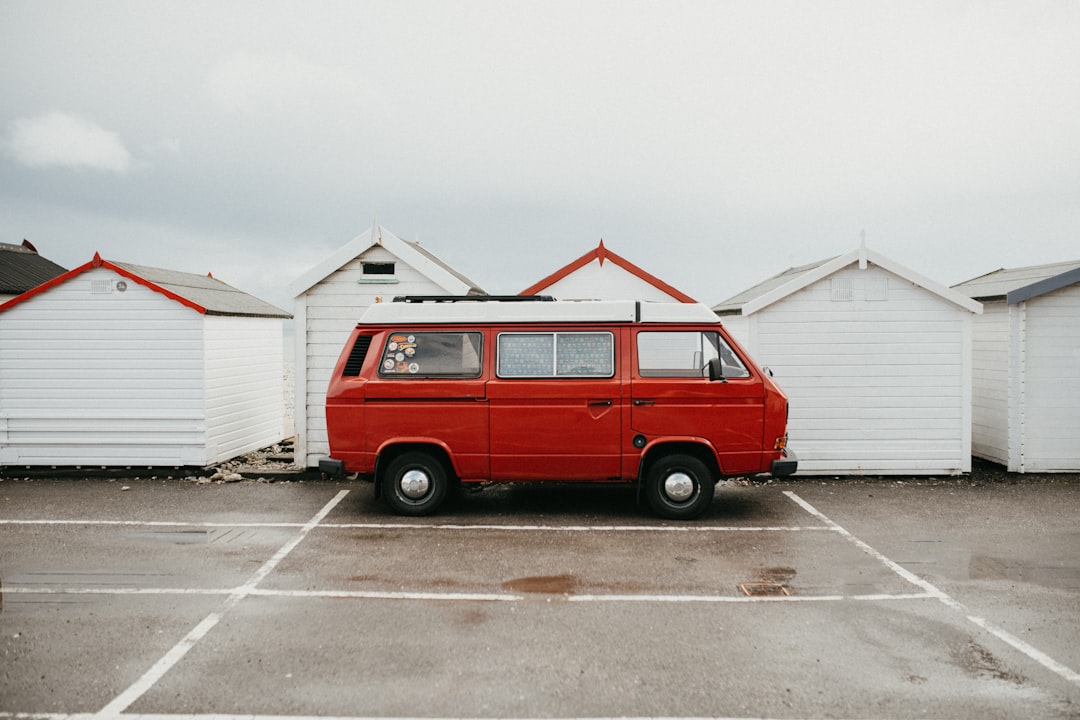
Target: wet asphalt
[[888, 598]]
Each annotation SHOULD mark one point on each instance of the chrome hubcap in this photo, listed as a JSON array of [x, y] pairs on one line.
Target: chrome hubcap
[[678, 486], [415, 484]]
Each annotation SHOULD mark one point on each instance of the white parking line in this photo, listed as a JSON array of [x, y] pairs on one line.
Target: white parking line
[[1033, 653], [171, 658], [459, 597], [117, 707], [436, 526], [222, 716]]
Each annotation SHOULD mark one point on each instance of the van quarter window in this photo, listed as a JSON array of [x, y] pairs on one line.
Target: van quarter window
[[410, 354], [685, 354], [556, 354]]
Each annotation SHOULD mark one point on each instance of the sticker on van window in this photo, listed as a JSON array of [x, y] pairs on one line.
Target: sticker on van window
[[432, 354]]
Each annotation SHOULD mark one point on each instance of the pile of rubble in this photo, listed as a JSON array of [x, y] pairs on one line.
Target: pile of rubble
[[270, 464]]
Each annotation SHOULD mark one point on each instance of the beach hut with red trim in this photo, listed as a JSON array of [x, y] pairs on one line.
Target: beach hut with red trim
[[113, 364], [601, 274]]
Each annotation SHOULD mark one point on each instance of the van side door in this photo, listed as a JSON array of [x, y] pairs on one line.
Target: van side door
[[672, 396], [555, 406], [429, 390]]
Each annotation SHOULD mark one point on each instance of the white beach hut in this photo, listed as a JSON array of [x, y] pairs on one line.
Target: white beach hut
[[112, 364], [876, 361], [376, 266], [1027, 367], [601, 274]]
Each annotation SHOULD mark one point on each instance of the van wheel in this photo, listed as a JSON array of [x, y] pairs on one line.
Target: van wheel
[[415, 483], [679, 487]]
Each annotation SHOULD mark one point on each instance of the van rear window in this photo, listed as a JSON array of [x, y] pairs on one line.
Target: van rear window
[[410, 354], [556, 354]]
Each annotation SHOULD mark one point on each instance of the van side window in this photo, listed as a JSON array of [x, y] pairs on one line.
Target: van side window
[[556, 354], [432, 354], [685, 354]]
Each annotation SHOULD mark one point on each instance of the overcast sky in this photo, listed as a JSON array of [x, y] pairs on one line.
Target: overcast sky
[[712, 143]]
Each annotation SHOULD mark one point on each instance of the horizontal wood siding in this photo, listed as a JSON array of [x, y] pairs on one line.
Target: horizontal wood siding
[[876, 386], [1051, 405], [331, 310], [990, 379], [106, 378], [607, 282], [245, 399]]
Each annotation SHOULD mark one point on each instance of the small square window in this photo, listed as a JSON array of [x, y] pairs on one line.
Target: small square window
[[378, 268], [876, 289], [843, 290]]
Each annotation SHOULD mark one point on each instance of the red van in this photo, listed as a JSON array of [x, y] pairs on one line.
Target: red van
[[430, 391]]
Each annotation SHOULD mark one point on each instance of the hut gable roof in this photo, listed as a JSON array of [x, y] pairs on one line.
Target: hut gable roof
[[22, 269], [412, 253], [1019, 284], [600, 255], [791, 281], [204, 294], [734, 305]]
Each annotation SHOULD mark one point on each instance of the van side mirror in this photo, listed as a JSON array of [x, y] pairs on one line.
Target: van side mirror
[[716, 370]]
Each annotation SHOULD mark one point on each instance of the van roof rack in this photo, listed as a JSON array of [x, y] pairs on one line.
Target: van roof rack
[[473, 298]]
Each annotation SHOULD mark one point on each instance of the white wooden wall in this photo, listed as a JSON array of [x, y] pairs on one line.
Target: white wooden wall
[[325, 315], [245, 400], [605, 282], [990, 380], [1045, 412], [879, 381], [101, 377]]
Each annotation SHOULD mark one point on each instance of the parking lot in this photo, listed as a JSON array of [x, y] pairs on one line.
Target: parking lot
[[886, 598]]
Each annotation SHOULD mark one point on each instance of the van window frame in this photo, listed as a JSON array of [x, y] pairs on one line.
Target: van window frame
[[740, 370], [554, 374], [385, 357]]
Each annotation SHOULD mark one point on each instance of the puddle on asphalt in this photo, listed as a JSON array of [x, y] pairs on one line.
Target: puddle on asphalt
[[778, 575], [196, 536], [175, 537], [543, 585]]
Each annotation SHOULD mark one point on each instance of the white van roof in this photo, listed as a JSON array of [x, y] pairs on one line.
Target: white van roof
[[478, 309]]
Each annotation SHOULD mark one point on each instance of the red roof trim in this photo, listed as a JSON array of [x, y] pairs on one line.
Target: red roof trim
[[95, 263], [59, 279], [600, 254]]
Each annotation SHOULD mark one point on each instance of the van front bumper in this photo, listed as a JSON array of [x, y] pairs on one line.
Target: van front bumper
[[785, 466]]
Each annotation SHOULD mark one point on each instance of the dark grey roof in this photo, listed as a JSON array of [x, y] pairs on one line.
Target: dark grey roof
[[1019, 284], [22, 269], [216, 297]]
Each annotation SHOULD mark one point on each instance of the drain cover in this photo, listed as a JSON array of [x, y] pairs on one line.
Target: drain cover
[[763, 589]]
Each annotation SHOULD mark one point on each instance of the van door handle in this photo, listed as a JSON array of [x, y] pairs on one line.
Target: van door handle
[[599, 403], [639, 403]]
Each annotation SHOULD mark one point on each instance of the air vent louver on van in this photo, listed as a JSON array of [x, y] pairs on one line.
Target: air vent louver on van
[[356, 357]]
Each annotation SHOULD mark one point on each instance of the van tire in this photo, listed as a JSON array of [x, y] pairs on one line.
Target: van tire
[[679, 487], [415, 483]]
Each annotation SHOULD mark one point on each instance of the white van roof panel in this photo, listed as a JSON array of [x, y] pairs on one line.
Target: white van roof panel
[[492, 312]]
